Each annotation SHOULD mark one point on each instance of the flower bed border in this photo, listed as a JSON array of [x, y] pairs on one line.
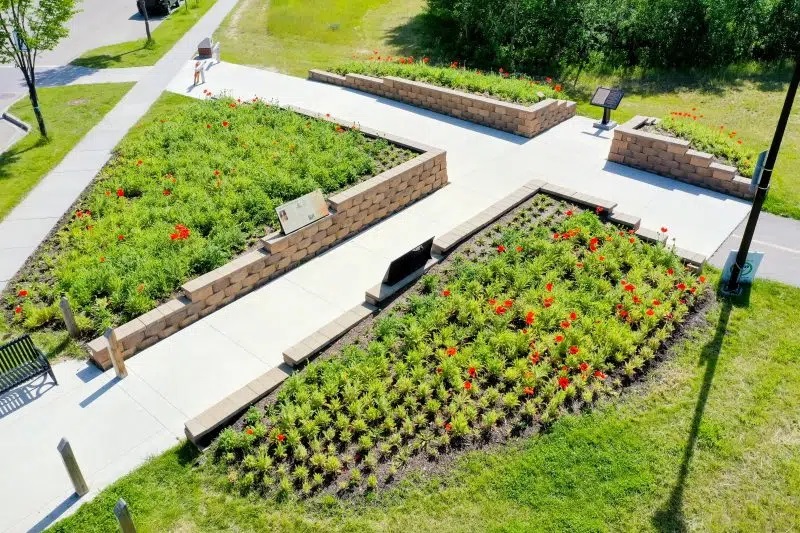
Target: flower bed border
[[673, 158], [203, 426], [527, 121], [351, 211]]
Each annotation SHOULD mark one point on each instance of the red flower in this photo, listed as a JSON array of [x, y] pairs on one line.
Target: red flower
[[573, 316], [232, 105], [102, 259], [519, 248], [559, 338], [599, 374], [568, 212], [574, 350], [166, 192], [681, 286], [249, 431], [548, 302], [22, 294], [438, 370], [217, 172], [446, 292], [120, 192], [650, 312], [208, 126], [529, 318], [534, 357], [448, 427], [528, 391], [120, 237], [619, 306], [623, 313], [598, 209], [630, 287], [225, 123], [663, 229], [549, 287], [565, 324], [556, 236], [584, 366], [632, 240], [670, 271], [557, 88], [693, 289], [426, 60], [468, 385], [501, 249], [139, 163], [524, 331], [593, 243], [472, 371], [637, 300], [656, 302], [500, 310], [492, 301], [563, 382], [281, 437], [601, 258], [451, 351], [701, 279], [508, 303], [579, 265], [18, 310]]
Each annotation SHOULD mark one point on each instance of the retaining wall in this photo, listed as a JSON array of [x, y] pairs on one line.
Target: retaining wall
[[527, 121], [351, 211], [673, 158]]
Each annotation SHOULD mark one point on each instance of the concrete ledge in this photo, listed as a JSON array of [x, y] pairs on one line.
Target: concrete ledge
[[382, 292], [326, 335], [690, 258], [650, 235], [233, 405], [624, 219]]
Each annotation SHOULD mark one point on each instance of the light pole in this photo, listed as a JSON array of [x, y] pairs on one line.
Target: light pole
[[763, 185]]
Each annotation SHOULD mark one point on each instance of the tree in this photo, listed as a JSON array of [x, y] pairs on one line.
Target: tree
[[28, 27], [143, 10]]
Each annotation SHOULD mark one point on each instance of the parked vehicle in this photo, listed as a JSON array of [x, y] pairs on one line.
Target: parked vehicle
[[157, 7]]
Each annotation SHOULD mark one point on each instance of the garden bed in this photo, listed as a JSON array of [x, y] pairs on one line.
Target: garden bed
[[668, 148], [187, 192], [542, 312], [442, 90]]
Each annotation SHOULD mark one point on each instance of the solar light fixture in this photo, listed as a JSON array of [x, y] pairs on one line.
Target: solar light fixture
[[608, 99]]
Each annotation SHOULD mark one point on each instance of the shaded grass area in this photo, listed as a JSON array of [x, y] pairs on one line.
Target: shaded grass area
[[140, 53], [69, 113], [708, 440], [745, 98], [294, 36]]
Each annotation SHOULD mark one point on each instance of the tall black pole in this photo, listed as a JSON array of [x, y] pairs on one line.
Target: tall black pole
[[763, 186]]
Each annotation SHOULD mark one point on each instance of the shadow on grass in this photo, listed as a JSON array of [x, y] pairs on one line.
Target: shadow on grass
[[105, 60], [670, 516], [11, 156]]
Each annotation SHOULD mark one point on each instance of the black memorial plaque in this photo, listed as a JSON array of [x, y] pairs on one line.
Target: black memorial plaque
[[607, 98], [408, 262]]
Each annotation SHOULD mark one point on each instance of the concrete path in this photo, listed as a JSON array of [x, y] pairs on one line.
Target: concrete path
[[30, 222], [115, 425], [778, 238]]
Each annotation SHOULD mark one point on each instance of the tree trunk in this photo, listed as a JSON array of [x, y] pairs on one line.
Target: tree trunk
[[143, 6], [35, 103]]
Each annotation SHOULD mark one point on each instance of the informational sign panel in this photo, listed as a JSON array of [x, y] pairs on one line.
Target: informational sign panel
[[302, 211], [607, 98], [749, 268], [408, 262]]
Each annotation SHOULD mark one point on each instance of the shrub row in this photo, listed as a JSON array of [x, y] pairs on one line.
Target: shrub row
[[540, 312]]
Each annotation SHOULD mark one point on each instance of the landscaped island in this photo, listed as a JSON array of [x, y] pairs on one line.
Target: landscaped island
[[541, 312], [190, 187]]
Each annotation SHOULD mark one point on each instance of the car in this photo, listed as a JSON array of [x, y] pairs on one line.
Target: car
[[157, 7]]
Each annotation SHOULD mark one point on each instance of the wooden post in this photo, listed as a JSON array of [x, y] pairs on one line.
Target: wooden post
[[73, 469], [123, 515], [69, 318], [115, 353]]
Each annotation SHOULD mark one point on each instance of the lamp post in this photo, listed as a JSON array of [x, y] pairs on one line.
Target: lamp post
[[763, 185]]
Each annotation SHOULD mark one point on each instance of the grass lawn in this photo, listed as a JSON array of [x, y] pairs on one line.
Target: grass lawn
[[69, 113], [709, 441], [746, 99], [140, 54], [294, 36], [188, 188]]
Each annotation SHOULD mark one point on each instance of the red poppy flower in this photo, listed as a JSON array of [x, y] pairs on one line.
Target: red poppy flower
[[468, 385], [120, 192], [593, 242], [670, 271], [692, 290], [630, 287], [225, 123], [102, 259], [528, 391], [166, 192], [22, 294], [281, 437], [598, 209], [632, 240], [549, 287], [568, 212], [448, 427], [656, 302], [601, 258], [557, 88], [681, 286], [18, 310], [472, 371], [534, 357], [524, 331], [565, 324], [619, 306], [208, 126], [519, 248], [501, 249], [663, 229], [556, 236], [120, 237], [451, 351], [529, 318], [492, 301], [548, 302], [139, 163], [584, 366], [573, 316], [650, 312], [249, 431], [446, 292], [500, 310], [637, 300], [579, 265], [439, 370], [701, 279], [599, 374], [508, 303], [559, 338], [623, 313], [563, 382], [232, 105], [217, 172]]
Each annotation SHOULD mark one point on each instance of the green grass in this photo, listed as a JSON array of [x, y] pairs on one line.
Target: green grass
[[218, 168], [294, 36], [139, 53], [69, 113], [747, 99], [707, 442]]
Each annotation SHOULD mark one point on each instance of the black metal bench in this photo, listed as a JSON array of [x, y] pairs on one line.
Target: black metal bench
[[20, 361]]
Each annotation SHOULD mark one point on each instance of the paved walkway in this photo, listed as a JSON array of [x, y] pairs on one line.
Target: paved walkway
[[115, 425], [30, 222]]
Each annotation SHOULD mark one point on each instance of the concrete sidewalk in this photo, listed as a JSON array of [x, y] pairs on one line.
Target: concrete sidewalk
[[115, 425]]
